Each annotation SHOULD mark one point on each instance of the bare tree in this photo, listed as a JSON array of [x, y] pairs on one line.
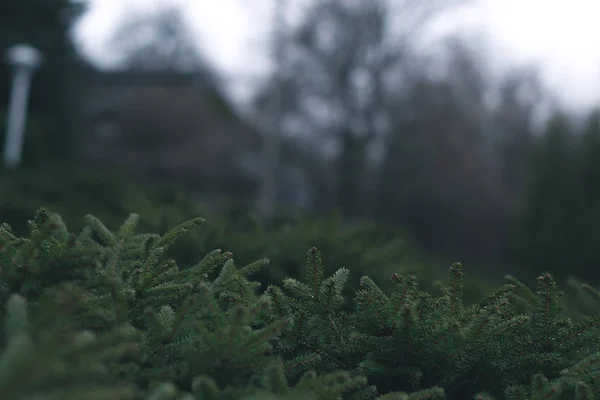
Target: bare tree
[[159, 40], [267, 199], [342, 60]]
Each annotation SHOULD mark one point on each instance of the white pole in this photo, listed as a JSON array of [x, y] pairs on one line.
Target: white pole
[[25, 59], [17, 114]]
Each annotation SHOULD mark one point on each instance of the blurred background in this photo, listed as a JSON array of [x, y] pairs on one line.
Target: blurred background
[[452, 129]]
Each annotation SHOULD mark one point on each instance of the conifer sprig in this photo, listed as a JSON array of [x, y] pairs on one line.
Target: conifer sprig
[[109, 315], [49, 361]]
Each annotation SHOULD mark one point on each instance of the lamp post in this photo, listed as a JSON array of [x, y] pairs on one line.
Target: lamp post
[[25, 59]]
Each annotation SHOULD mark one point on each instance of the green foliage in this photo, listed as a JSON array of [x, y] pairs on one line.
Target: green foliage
[[412, 340], [363, 248], [185, 326], [582, 300], [106, 194], [107, 314], [43, 358]]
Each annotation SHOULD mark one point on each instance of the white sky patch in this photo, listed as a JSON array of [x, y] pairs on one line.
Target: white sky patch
[[561, 36]]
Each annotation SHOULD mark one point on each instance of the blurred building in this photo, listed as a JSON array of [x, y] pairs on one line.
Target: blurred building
[[168, 125]]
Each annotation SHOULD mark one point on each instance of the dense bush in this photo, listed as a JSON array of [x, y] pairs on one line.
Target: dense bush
[[101, 314], [363, 248], [76, 192]]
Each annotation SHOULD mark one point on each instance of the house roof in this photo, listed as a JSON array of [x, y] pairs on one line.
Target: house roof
[[189, 120]]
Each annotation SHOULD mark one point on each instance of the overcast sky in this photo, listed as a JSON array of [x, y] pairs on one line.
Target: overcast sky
[[563, 36]]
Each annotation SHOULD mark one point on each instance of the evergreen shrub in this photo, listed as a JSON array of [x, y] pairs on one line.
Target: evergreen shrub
[[102, 314]]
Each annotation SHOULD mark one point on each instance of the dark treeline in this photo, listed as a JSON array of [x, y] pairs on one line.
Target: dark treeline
[[558, 220]]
